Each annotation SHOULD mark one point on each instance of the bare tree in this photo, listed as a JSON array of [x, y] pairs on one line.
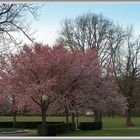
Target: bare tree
[[13, 23], [91, 31], [126, 62]]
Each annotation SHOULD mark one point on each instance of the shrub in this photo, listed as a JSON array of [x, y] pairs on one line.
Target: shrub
[[42, 130], [6, 124], [51, 129], [90, 126], [64, 127], [27, 125], [32, 125], [61, 128], [54, 129], [72, 126], [47, 130], [20, 125]]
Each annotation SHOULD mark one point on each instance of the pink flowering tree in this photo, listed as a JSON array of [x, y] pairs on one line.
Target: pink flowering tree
[[17, 104], [104, 93], [8, 90], [77, 70], [115, 98], [81, 86], [31, 73]]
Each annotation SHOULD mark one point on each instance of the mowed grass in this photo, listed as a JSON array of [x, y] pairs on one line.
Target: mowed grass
[[104, 132], [116, 122], [111, 126]]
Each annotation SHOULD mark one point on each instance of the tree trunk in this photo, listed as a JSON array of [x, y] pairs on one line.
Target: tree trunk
[[77, 121], [73, 118], [67, 118], [128, 118], [14, 110], [67, 115], [97, 116], [109, 114], [112, 114], [43, 109], [14, 119], [43, 118], [100, 116]]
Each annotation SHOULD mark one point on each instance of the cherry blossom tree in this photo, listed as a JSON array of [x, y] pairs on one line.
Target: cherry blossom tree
[[82, 86], [105, 91], [17, 104], [79, 67], [9, 93], [31, 73]]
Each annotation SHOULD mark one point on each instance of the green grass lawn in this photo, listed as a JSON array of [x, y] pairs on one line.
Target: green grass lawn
[[104, 132], [116, 122], [111, 126]]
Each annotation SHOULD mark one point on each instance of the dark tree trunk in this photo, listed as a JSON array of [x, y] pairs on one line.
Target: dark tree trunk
[[73, 118], [14, 119], [131, 105], [43, 109], [14, 110], [100, 116], [97, 116], [67, 118], [112, 114], [43, 118], [109, 114], [128, 118], [77, 117]]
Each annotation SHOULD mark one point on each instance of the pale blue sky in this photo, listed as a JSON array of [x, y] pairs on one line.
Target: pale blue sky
[[53, 13]]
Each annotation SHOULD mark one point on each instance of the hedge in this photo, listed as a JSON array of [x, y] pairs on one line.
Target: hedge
[[6, 124], [54, 129], [90, 126], [26, 125]]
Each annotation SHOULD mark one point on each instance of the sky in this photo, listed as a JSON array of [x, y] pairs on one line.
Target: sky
[[52, 14]]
